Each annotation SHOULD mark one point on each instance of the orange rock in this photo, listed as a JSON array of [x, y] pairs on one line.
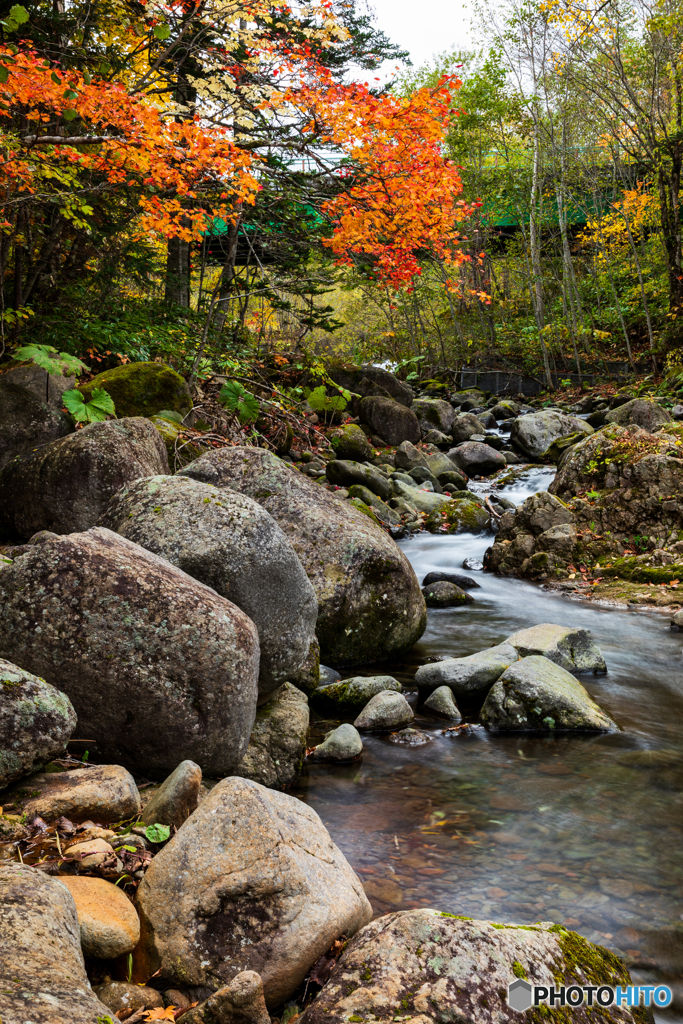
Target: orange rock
[[108, 920]]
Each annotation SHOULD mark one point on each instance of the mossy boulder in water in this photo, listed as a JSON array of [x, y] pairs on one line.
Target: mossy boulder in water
[[142, 389], [464, 513], [354, 692]]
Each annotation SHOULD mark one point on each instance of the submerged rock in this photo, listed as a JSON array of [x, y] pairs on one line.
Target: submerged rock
[[252, 881], [469, 677], [537, 695], [277, 745], [573, 649], [410, 737], [385, 711], [340, 744], [445, 595]]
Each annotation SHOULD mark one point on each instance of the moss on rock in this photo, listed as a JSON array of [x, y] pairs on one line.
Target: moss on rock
[[142, 389]]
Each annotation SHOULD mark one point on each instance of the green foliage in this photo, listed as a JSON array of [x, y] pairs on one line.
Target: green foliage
[[157, 833], [169, 414], [100, 406], [238, 400], [17, 16], [50, 360], [320, 401]]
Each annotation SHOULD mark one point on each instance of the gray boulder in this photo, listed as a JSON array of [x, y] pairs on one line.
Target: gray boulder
[[468, 678], [474, 457], [442, 703], [535, 432], [573, 649], [505, 409], [277, 745], [409, 457], [230, 543], [42, 972], [369, 601], [158, 666], [48, 387], [36, 721], [66, 485], [349, 376], [124, 995], [345, 473], [677, 620], [418, 498], [464, 426], [435, 437], [100, 792], [433, 413], [648, 415], [176, 798], [390, 420], [26, 420], [536, 695], [464, 582], [354, 692], [340, 744], [438, 967], [384, 512], [349, 442], [240, 1002], [385, 711], [251, 882], [445, 595]]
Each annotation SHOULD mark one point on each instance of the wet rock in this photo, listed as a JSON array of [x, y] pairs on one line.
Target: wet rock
[[537, 695], [107, 919], [468, 398], [677, 620], [392, 421], [349, 442], [410, 737], [176, 798], [573, 649], [66, 485], [445, 595], [142, 389], [42, 973], [535, 432], [349, 377], [328, 675], [433, 413], [464, 582], [441, 702], [369, 601], [474, 458], [385, 711], [505, 409], [436, 967], [421, 475], [340, 744], [26, 420], [230, 543], [469, 677], [536, 538], [648, 415], [122, 995], [252, 881], [344, 473], [240, 1002], [464, 426], [422, 500], [102, 792], [473, 564], [407, 457], [36, 721], [158, 666], [354, 692], [277, 745]]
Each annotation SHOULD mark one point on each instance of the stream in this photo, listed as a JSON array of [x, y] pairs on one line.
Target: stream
[[583, 830]]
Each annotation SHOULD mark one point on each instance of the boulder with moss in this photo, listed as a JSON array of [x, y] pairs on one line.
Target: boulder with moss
[[538, 538], [643, 413], [464, 513], [277, 745], [390, 420], [377, 380], [534, 433], [354, 693], [142, 389], [433, 413], [386, 515], [349, 442], [179, 449]]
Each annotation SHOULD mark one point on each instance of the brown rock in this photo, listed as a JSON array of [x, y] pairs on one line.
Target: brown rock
[[91, 852], [176, 798], [104, 792], [122, 995], [107, 919], [240, 1002]]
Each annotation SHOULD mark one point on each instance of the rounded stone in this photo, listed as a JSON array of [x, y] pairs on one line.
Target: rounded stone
[[109, 924], [445, 595], [341, 744], [386, 711]]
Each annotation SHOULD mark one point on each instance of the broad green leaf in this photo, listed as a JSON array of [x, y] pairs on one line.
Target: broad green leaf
[[17, 16], [4, 74], [168, 414], [162, 32], [100, 406], [157, 833], [320, 401], [69, 114], [237, 399], [55, 78], [40, 355]]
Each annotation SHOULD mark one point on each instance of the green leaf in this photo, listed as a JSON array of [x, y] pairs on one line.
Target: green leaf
[[47, 357], [162, 31], [17, 16], [157, 833], [168, 414], [55, 78], [98, 408], [237, 399], [87, 77], [69, 114], [320, 401], [4, 74]]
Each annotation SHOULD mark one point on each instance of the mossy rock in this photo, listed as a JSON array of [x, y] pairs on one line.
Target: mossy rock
[[365, 509], [179, 454], [460, 515], [630, 569], [142, 389], [560, 445], [349, 442]]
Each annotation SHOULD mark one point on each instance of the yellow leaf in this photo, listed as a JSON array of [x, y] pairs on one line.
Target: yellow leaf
[[159, 1014]]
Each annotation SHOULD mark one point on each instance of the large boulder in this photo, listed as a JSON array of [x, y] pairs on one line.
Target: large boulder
[[349, 442], [535, 539], [464, 513], [436, 967], [48, 387], [385, 383], [477, 458], [465, 426], [229, 542], [142, 389], [158, 666], [572, 648], [390, 420], [369, 601], [99, 792], [36, 721], [409, 457], [66, 485], [346, 473], [433, 413], [277, 745], [648, 415], [469, 678], [251, 881], [26, 420], [535, 432], [536, 695], [42, 972]]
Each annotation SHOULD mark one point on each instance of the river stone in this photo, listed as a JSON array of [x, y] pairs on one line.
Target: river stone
[[648, 415], [344, 473], [42, 973], [369, 601], [442, 702], [536, 694], [469, 677], [677, 619], [230, 543], [464, 582], [252, 881], [240, 1002], [465, 426], [535, 432], [383, 512], [102, 792], [66, 485], [423, 501], [385, 711], [36, 721], [475, 458], [349, 442], [505, 409], [107, 919], [340, 744], [158, 666], [176, 797], [436, 967], [142, 389], [123, 995], [573, 649], [354, 692], [445, 595], [409, 457], [349, 376], [441, 440], [277, 745], [473, 564], [390, 420], [26, 420], [433, 413]]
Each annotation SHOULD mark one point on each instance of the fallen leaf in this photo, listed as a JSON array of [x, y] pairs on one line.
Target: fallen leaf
[[168, 1013]]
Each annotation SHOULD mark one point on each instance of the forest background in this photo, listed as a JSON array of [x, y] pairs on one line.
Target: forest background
[[210, 184]]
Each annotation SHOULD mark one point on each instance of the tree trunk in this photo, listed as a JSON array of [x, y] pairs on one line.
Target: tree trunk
[[177, 289]]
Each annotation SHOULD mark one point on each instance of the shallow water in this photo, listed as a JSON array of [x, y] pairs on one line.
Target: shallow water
[[516, 828]]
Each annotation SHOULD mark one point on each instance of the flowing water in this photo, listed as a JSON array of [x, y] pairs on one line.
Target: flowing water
[[578, 829]]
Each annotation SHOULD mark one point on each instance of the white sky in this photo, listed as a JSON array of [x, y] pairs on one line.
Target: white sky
[[425, 27]]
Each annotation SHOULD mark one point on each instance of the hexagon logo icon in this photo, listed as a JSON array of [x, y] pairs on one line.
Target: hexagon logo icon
[[520, 995]]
